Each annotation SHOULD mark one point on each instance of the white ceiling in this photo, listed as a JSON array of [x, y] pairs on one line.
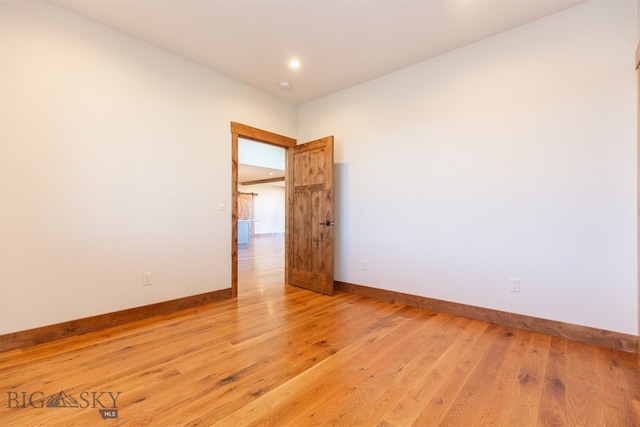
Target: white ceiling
[[340, 43], [257, 162], [248, 173]]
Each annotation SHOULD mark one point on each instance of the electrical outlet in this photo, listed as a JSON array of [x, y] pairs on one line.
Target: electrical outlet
[[363, 265], [147, 279], [514, 284]]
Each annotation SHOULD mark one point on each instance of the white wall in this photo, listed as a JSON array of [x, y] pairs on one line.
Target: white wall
[[114, 155], [511, 157], [268, 207]]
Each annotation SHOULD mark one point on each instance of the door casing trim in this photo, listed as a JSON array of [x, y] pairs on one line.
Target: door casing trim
[[239, 130]]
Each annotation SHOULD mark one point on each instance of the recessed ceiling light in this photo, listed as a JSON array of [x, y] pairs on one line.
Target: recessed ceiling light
[[285, 85], [294, 63]]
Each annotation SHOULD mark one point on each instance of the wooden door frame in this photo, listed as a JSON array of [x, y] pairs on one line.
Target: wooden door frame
[[637, 62], [239, 130]]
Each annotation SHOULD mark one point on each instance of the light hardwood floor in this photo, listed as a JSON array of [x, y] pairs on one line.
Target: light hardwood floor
[[283, 356]]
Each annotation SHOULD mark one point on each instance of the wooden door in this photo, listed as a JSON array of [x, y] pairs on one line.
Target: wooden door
[[309, 260]]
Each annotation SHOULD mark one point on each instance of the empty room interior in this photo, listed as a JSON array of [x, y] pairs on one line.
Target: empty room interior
[[306, 212]]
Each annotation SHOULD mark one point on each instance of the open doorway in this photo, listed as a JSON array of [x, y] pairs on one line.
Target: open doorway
[[244, 133], [308, 253], [261, 212]]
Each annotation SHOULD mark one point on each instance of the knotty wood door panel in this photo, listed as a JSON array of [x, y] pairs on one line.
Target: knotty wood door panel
[[310, 214]]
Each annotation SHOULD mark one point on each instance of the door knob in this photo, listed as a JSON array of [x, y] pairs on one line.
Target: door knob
[[328, 223]]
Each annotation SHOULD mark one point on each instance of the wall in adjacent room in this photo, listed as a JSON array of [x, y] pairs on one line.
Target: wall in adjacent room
[[268, 207]]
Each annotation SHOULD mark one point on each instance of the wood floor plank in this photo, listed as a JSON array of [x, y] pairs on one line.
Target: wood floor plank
[[426, 397], [468, 405], [385, 399], [553, 406], [322, 379], [375, 375], [530, 365], [389, 384], [582, 385], [286, 365], [618, 409], [283, 356]]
